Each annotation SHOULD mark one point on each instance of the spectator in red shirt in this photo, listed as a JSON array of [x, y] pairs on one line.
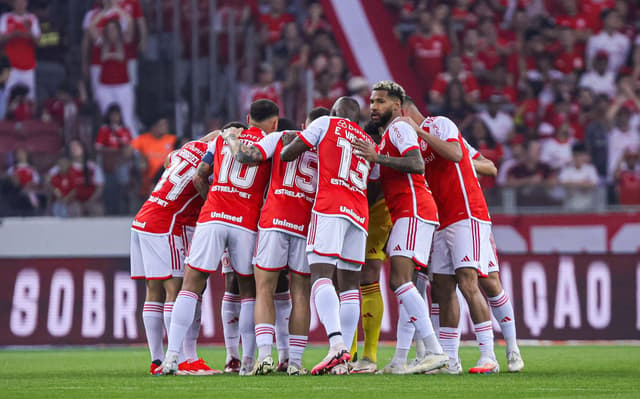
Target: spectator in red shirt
[[113, 146], [63, 105], [24, 196], [76, 184], [455, 71], [273, 22], [531, 178], [479, 137], [322, 91], [428, 50], [139, 30], [265, 88], [115, 85], [571, 58], [21, 108], [572, 18], [20, 31], [315, 21], [63, 190], [627, 177]]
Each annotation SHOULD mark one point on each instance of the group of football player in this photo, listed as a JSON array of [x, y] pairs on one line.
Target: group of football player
[[302, 219]]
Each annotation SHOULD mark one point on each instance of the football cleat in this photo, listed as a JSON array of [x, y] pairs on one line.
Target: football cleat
[[393, 368], [264, 366], [431, 361], [340, 369], [514, 362], [295, 370], [168, 366], [485, 366], [154, 365], [364, 366], [338, 354], [247, 367], [199, 367], [232, 366], [453, 367], [283, 366]]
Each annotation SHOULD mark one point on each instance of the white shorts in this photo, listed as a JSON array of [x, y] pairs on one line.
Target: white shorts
[[337, 241], [411, 237], [463, 244], [277, 250], [493, 266], [159, 256], [210, 241]]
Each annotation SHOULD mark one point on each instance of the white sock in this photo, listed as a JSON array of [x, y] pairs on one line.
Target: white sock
[[230, 324], [349, 314], [190, 344], [153, 327], [325, 299], [181, 319], [416, 308], [166, 313], [404, 336], [422, 281], [264, 339], [450, 341], [502, 310], [247, 328], [283, 310], [297, 344], [435, 318], [484, 336]]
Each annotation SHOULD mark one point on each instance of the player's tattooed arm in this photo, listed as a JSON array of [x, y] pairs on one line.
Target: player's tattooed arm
[[249, 154], [292, 150], [201, 178], [242, 153], [411, 162]]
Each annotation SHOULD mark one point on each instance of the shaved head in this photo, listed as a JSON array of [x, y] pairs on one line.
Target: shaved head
[[346, 107]]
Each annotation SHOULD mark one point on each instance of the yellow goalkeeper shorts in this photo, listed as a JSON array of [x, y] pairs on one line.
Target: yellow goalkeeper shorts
[[379, 228]]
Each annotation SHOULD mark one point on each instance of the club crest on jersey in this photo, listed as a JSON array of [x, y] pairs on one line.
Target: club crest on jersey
[[342, 123], [382, 144]]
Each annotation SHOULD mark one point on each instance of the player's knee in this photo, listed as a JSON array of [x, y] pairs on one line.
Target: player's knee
[[155, 291], [491, 285]]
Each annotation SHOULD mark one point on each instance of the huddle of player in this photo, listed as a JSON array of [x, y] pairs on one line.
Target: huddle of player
[[302, 201]]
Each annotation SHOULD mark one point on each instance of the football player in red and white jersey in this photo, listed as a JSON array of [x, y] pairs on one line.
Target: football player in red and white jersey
[[499, 301], [338, 230], [228, 219], [461, 246], [282, 241], [160, 235], [414, 215]]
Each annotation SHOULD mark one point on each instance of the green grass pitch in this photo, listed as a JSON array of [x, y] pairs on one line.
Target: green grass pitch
[[551, 372]]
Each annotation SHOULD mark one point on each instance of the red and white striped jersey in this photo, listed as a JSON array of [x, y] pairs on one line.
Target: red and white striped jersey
[[406, 194], [237, 191], [454, 185], [174, 202], [342, 176], [292, 189]]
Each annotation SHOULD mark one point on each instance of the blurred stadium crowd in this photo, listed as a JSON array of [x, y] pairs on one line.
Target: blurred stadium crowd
[[95, 94]]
